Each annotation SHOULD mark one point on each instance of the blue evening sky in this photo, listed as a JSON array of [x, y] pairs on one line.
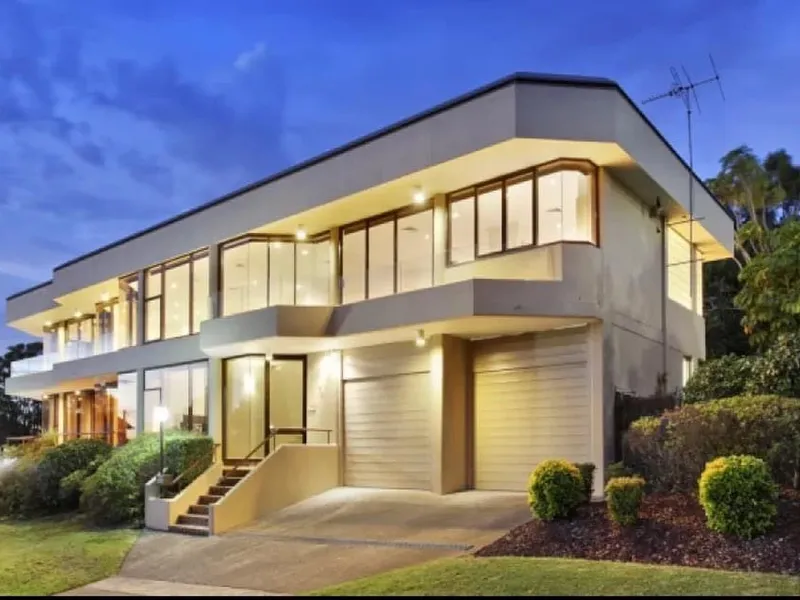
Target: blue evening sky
[[116, 114]]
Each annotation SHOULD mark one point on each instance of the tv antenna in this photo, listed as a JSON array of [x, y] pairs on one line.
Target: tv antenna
[[686, 92]]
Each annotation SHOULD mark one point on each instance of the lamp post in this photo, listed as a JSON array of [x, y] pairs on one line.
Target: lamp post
[[161, 415]]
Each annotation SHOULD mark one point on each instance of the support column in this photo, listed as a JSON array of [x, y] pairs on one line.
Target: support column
[[450, 378], [214, 293], [140, 324], [439, 238], [215, 399], [335, 286], [597, 398], [140, 424]]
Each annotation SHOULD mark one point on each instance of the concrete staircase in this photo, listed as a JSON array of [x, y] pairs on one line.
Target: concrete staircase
[[195, 522]]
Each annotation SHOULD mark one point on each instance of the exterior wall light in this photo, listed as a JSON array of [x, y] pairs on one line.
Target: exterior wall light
[[420, 340]]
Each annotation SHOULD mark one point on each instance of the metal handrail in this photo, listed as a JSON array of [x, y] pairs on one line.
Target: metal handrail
[[276, 431], [183, 473]]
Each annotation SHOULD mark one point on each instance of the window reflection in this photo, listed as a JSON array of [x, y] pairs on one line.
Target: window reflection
[[183, 391]]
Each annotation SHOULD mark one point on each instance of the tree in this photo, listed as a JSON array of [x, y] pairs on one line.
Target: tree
[[782, 172], [724, 332], [770, 294], [751, 193], [18, 416]]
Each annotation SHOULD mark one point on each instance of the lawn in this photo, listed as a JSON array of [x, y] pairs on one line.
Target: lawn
[[47, 556], [561, 577]]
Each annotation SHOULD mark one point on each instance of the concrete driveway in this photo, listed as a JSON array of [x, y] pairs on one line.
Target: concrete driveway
[[343, 534]]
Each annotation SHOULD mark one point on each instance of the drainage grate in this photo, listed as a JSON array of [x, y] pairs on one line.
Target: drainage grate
[[355, 542]]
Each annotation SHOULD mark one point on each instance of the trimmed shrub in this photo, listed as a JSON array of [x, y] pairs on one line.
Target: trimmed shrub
[[19, 489], [671, 452], [624, 497], [555, 489], [61, 461], [721, 377], [587, 477], [739, 496], [617, 469], [69, 490], [34, 449], [115, 493]]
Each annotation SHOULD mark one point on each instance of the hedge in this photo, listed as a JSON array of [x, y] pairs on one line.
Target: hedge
[[671, 451], [60, 462], [722, 377], [114, 494], [19, 495]]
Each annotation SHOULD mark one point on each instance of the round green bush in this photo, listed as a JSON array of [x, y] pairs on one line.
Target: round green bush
[[61, 461], [738, 496], [624, 497], [555, 489], [19, 490]]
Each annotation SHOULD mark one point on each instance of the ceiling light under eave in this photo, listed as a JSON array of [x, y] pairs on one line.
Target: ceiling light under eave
[[301, 234], [105, 297], [418, 196]]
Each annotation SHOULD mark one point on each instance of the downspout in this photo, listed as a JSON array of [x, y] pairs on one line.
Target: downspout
[[661, 385]]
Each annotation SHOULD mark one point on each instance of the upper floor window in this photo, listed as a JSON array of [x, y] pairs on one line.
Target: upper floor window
[[386, 255], [546, 204], [683, 261], [261, 271], [176, 297]]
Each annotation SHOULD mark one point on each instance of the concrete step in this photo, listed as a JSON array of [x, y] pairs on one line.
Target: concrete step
[[238, 472], [231, 481], [189, 519], [208, 499], [198, 509], [189, 530], [219, 490], [240, 462]]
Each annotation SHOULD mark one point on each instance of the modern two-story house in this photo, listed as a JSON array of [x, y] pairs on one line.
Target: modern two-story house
[[447, 301]]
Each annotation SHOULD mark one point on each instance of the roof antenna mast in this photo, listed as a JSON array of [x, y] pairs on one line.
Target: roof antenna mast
[[686, 93]]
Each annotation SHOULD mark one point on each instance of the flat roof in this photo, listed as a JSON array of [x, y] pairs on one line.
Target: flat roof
[[520, 77]]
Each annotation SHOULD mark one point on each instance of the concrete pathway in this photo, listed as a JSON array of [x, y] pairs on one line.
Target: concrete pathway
[[344, 534], [130, 586]]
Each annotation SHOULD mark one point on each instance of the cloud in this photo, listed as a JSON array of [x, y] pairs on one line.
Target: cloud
[[246, 59]]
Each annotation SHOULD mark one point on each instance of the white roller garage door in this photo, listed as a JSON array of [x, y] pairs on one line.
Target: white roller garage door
[[387, 402], [531, 403]]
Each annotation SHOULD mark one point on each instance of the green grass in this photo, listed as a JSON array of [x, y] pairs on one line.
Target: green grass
[[46, 556], [561, 577]]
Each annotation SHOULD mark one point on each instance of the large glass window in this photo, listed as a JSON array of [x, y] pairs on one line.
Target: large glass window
[[244, 277], [462, 229], [200, 292], [512, 213], [415, 251], [490, 220], [125, 408], [171, 290], [125, 331], [313, 262], [519, 212], [281, 274], [380, 281], [566, 211], [354, 266], [183, 391], [177, 292]]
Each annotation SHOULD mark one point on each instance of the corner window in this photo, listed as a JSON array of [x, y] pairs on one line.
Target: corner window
[[176, 297], [566, 210], [541, 205]]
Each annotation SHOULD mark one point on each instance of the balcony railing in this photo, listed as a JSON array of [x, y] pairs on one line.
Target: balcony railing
[[72, 350]]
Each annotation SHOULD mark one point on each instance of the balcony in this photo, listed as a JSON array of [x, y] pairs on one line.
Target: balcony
[[71, 350]]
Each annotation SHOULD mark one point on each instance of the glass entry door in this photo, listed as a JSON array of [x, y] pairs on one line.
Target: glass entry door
[[287, 398], [245, 406], [259, 394]]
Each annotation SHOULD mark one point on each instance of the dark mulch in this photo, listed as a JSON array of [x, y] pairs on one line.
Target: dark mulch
[[672, 531]]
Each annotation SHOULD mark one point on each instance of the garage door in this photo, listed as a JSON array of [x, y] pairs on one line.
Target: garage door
[[531, 403], [387, 401]]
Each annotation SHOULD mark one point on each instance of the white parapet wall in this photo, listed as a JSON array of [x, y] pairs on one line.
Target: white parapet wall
[[292, 473], [160, 513]]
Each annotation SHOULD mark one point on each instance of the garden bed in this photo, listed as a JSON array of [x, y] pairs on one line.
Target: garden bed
[[672, 531]]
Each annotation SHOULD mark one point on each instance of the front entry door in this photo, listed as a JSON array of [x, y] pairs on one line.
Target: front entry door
[[259, 394]]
